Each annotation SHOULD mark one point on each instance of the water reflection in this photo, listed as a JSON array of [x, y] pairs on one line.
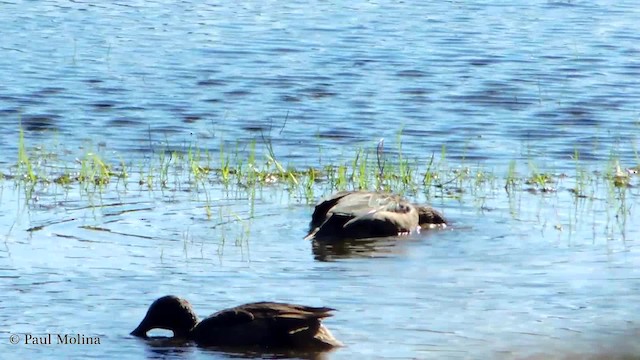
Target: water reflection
[[161, 347], [164, 342], [166, 348], [328, 250]]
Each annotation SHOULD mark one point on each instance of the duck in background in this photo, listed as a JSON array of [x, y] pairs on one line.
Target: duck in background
[[366, 214]]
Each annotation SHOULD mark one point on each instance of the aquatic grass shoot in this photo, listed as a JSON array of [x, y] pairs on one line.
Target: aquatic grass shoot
[[25, 168], [511, 178]]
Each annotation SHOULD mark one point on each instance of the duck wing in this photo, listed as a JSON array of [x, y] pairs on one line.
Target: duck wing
[[267, 324], [359, 203], [332, 227], [322, 208], [384, 222], [284, 310]]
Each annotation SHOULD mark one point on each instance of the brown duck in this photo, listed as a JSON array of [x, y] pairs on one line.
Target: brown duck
[[364, 214], [267, 325]]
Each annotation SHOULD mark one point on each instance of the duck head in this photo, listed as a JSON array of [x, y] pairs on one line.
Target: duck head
[[169, 313]]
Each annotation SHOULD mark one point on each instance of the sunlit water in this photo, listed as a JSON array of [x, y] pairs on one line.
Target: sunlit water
[[515, 275]]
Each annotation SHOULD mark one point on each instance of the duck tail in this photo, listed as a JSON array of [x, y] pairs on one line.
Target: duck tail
[[325, 337]]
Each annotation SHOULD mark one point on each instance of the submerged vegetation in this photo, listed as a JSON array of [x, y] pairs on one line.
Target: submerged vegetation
[[371, 169]]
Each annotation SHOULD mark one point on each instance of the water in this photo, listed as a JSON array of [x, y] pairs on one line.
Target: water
[[515, 276]]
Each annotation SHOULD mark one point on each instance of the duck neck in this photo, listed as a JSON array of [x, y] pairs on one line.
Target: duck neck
[[182, 333]]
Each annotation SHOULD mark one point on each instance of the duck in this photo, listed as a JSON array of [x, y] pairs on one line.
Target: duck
[[369, 214], [263, 325]]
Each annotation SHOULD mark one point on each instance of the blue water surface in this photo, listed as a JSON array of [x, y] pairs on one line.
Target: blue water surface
[[551, 85]]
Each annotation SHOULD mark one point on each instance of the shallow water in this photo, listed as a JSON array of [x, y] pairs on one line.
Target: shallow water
[[493, 285], [516, 275]]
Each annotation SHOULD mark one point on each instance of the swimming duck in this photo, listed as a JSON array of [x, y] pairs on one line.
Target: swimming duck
[[268, 325], [365, 214]]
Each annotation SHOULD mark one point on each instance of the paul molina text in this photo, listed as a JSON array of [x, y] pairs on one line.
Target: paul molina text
[[61, 339]]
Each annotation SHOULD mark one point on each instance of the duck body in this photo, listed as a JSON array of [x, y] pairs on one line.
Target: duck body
[[364, 214], [266, 325]]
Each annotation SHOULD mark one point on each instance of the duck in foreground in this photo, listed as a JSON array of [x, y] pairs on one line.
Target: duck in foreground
[[364, 214], [266, 325]]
